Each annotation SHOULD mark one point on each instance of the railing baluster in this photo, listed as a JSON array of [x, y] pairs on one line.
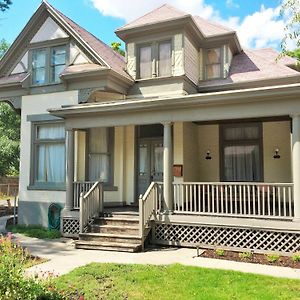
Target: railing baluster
[[284, 202], [279, 201]]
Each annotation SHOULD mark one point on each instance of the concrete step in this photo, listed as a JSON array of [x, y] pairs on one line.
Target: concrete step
[[96, 245], [122, 221], [120, 229], [107, 237]]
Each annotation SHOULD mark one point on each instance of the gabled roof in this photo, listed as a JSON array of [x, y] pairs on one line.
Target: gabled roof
[[163, 13], [101, 53], [167, 12]]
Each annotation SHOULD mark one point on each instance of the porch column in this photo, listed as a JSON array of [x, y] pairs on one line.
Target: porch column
[[296, 165], [168, 165], [69, 169]]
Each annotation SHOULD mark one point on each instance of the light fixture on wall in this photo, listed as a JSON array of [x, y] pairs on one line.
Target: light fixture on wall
[[208, 156], [276, 154]]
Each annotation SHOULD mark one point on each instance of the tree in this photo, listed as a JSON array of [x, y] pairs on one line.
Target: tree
[[290, 11], [5, 4], [9, 133], [295, 54], [116, 46]]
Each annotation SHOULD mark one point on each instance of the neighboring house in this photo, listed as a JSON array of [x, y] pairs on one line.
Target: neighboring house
[[207, 132]]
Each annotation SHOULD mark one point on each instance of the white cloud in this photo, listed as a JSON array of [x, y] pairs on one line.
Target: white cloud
[[264, 28], [231, 4]]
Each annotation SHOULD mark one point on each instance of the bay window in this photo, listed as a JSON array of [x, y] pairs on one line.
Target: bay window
[[164, 59], [241, 152], [48, 64], [49, 155]]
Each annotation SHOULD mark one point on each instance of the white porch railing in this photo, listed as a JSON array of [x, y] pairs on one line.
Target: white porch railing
[[266, 200], [80, 187], [149, 204], [91, 205]]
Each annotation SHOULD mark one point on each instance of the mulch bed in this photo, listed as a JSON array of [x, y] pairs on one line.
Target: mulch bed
[[283, 261]]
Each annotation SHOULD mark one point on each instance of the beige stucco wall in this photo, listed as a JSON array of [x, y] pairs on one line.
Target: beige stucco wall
[[208, 139], [277, 135], [36, 105]]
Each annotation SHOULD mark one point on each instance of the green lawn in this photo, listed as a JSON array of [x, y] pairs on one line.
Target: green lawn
[[112, 281], [35, 231]]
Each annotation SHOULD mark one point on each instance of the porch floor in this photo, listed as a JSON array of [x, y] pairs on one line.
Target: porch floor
[[122, 210]]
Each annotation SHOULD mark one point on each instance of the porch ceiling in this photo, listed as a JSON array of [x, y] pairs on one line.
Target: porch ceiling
[[283, 100]]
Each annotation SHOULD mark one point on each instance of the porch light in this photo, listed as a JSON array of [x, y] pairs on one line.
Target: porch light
[[208, 156], [276, 154]]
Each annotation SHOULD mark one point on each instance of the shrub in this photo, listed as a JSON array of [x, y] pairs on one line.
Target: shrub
[[296, 257], [220, 252], [245, 255], [272, 258], [13, 282]]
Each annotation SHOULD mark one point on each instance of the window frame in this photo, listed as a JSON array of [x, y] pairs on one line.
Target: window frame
[[154, 58], [110, 153], [48, 49], [35, 142], [241, 142], [206, 64]]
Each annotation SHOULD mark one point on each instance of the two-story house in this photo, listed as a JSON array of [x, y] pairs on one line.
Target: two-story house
[[189, 140]]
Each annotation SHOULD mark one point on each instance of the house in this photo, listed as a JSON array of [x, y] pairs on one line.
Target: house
[[206, 132]]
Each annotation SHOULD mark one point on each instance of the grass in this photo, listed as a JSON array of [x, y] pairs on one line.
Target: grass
[[35, 231], [112, 281]]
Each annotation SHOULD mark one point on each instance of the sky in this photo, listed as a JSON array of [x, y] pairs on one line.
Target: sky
[[257, 22]]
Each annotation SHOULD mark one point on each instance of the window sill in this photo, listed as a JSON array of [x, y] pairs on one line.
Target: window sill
[[46, 187]]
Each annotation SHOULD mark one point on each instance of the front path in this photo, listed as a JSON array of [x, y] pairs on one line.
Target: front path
[[63, 258]]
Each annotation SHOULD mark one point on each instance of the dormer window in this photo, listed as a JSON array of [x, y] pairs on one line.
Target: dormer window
[[213, 63], [155, 60], [48, 64]]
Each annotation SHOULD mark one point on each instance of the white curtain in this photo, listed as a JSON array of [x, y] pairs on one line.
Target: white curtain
[[164, 66], [145, 62], [158, 159], [51, 156], [99, 159], [143, 154], [242, 161], [39, 66]]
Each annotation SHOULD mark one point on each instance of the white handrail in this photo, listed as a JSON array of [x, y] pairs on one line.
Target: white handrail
[[91, 205], [241, 199]]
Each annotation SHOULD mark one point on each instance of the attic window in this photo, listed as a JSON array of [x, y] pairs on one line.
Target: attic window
[[48, 64], [213, 63]]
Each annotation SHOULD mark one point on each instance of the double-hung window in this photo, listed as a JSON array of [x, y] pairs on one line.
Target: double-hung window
[[242, 152], [213, 63], [48, 64], [49, 154], [100, 155], [155, 60]]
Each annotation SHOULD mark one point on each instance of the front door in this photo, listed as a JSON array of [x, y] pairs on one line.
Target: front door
[[150, 163]]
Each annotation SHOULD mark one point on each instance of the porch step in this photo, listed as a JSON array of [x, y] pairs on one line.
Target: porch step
[[107, 237], [117, 220], [108, 246], [114, 229]]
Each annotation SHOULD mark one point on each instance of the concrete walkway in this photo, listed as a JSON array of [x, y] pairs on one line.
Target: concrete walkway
[[63, 258]]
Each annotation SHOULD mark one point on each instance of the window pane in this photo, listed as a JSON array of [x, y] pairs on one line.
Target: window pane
[[242, 163], [214, 56], [58, 56], [98, 140], [55, 73], [51, 132], [158, 159], [164, 66], [99, 167], [145, 62], [51, 163], [143, 159], [241, 133], [213, 71], [39, 58], [39, 76]]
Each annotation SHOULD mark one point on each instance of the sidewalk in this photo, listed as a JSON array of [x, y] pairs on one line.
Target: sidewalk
[[63, 258]]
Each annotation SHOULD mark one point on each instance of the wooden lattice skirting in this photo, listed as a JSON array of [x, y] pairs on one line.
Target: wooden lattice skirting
[[228, 238], [70, 227]]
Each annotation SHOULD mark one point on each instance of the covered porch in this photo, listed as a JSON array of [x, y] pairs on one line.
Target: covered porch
[[193, 187]]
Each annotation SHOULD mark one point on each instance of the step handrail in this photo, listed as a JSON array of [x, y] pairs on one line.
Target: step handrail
[[91, 205]]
